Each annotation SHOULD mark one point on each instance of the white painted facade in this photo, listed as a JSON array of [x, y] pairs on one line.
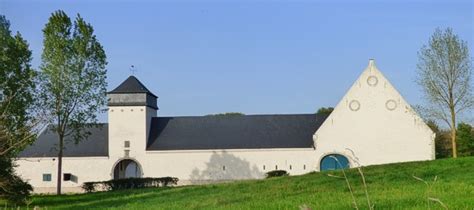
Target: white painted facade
[[372, 124]]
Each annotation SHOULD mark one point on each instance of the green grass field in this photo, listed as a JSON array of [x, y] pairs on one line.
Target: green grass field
[[389, 187]]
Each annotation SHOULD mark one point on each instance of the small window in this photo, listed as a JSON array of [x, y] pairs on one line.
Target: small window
[[67, 177], [290, 167], [304, 167], [46, 177], [264, 167], [223, 168], [127, 144], [276, 167]]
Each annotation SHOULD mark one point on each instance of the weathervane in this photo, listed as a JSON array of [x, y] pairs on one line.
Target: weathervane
[[132, 69]]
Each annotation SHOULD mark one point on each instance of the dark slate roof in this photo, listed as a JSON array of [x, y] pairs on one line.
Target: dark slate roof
[[132, 85], [95, 145], [234, 132]]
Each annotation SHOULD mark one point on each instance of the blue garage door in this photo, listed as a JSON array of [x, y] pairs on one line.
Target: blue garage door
[[333, 162]]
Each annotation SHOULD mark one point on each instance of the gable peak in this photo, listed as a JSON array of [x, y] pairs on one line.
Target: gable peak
[[371, 62], [371, 66]]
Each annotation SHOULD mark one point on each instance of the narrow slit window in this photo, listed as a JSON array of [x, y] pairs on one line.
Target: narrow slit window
[[290, 167], [304, 167], [223, 168], [263, 167], [276, 167]]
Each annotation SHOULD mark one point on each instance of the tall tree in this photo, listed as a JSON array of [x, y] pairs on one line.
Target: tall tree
[[16, 87], [73, 79], [16, 100], [444, 73]]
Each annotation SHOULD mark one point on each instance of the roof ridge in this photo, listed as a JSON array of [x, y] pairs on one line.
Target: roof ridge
[[245, 115]]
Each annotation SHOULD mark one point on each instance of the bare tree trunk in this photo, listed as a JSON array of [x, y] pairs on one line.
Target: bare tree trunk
[[453, 133], [60, 164]]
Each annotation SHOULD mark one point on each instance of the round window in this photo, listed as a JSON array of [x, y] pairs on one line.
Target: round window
[[391, 105], [354, 105], [372, 81]]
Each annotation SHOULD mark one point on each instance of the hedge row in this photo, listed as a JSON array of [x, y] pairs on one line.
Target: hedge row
[[276, 173], [129, 183]]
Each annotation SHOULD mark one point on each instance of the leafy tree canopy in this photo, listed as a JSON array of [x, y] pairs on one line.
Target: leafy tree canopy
[[227, 114], [325, 110], [16, 89], [465, 136], [16, 100]]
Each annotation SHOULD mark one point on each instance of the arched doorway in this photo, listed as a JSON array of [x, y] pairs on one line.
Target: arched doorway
[[334, 162], [127, 168]]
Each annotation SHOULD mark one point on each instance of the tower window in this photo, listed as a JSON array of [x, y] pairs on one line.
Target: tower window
[[264, 167], [46, 177], [223, 168], [304, 167], [276, 167], [127, 144], [290, 167]]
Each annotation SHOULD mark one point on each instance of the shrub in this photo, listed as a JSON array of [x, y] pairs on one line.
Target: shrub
[[16, 191], [276, 173], [168, 180], [89, 186], [12, 188], [129, 183]]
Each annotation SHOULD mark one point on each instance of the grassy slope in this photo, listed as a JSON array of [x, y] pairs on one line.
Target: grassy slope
[[389, 186]]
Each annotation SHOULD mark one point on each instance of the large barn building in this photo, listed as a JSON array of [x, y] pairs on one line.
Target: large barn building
[[372, 124]]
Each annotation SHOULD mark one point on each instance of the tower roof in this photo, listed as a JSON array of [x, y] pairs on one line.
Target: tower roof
[[132, 85]]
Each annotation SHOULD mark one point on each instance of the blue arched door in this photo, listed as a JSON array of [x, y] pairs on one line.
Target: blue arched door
[[333, 162]]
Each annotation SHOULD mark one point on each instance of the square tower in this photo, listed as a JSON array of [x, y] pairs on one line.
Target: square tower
[[131, 108]]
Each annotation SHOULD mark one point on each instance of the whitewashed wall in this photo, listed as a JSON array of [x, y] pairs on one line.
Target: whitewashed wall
[[85, 168], [129, 123], [191, 167], [196, 166]]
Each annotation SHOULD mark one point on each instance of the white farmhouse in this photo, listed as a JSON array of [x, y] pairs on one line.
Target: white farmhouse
[[372, 124]]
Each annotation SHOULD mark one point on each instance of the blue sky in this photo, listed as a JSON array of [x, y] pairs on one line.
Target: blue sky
[[203, 57]]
